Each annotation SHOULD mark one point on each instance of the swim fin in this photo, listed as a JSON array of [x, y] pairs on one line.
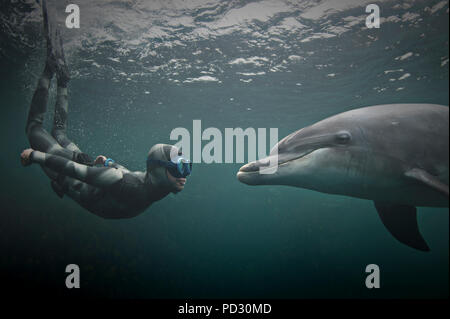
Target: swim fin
[[55, 52]]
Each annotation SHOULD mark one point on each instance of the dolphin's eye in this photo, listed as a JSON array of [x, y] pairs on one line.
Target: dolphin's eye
[[343, 137]]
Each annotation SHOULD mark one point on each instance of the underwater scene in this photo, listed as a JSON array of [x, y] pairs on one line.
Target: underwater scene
[[142, 71]]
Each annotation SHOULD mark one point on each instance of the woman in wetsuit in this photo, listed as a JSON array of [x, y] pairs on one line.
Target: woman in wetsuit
[[103, 187]]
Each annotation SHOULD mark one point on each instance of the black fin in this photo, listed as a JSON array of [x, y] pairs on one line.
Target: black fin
[[428, 179], [56, 60], [401, 221]]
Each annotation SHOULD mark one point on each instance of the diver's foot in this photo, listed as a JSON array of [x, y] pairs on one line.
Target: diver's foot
[[56, 60], [62, 71]]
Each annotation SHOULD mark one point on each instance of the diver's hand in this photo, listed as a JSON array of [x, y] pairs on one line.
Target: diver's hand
[[100, 160], [25, 157]]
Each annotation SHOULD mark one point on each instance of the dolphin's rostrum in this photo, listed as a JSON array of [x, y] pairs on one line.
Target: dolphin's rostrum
[[396, 155]]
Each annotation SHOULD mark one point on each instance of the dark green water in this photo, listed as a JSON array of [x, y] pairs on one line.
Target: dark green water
[[220, 238]]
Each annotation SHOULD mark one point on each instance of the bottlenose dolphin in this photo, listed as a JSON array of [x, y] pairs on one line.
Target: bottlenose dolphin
[[396, 155]]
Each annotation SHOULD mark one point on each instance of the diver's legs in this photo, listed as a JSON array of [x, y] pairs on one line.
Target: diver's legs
[[60, 120], [62, 102], [38, 137], [39, 101]]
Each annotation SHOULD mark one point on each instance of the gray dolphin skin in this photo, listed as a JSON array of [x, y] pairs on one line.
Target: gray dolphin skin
[[395, 155]]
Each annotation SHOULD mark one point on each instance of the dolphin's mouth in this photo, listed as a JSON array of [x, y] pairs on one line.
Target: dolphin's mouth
[[282, 160]]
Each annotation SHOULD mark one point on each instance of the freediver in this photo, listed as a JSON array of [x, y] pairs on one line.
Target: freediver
[[102, 186]]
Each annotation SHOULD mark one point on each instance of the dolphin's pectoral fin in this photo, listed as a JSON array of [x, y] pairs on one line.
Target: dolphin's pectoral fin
[[428, 179], [401, 221]]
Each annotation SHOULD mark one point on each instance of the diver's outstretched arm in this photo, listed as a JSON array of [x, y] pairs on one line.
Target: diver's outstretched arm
[[96, 176]]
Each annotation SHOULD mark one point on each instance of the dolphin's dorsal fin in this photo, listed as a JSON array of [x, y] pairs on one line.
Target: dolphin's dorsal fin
[[401, 221], [428, 179]]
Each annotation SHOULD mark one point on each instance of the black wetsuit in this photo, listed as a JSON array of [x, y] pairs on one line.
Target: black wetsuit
[[109, 192]]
